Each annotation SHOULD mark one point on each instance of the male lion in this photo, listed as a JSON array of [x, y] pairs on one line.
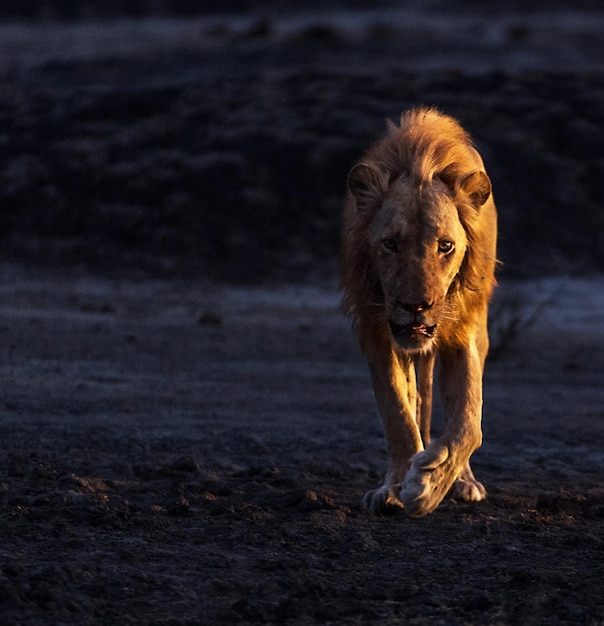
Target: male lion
[[418, 262]]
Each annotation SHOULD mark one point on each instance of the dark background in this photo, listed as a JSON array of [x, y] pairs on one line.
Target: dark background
[[82, 10], [184, 452], [224, 153]]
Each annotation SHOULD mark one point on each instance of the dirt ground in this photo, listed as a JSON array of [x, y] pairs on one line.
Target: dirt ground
[[184, 453]]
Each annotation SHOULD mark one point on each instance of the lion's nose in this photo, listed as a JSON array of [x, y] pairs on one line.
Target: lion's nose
[[417, 307]]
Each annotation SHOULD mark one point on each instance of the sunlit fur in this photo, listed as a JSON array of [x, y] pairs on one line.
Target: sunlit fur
[[426, 167]]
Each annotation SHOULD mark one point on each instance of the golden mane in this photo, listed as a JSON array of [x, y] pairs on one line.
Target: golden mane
[[424, 144]]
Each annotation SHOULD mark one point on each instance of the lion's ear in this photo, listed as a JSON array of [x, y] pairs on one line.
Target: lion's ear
[[478, 187], [365, 183]]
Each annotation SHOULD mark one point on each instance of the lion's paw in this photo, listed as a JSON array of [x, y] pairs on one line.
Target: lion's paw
[[428, 480], [467, 489], [384, 500]]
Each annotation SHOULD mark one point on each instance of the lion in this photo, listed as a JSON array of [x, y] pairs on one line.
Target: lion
[[418, 271]]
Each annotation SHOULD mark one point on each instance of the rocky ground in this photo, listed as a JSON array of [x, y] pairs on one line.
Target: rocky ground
[[188, 427]]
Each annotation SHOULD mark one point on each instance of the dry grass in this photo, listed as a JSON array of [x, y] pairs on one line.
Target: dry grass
[[513, 313]]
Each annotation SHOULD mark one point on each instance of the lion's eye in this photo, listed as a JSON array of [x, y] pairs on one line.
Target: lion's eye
[[389, 245], [445, 247]]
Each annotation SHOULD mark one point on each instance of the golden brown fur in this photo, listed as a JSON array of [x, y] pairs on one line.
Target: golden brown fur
[[418, 260]]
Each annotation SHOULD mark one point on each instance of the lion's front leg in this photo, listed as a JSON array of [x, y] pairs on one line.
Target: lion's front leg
[[434, 470], [395, 391]]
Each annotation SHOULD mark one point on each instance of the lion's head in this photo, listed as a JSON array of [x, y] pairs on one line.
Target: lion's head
[[411, 225]]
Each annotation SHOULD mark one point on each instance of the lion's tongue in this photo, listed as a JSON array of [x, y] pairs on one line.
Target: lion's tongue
[[423, 329], [413, 327]]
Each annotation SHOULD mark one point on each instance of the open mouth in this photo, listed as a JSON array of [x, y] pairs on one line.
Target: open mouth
[[413, 329]]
